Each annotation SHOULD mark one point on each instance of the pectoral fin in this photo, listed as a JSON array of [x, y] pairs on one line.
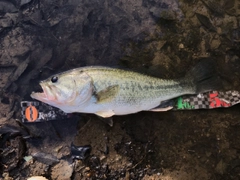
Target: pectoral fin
[[107, 94], [105, 114]]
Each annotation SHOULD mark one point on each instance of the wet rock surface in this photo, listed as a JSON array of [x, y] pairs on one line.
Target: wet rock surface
[[156, 37]]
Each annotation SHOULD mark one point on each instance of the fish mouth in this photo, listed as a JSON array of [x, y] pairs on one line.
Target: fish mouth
[[39, 95], [45, 95]]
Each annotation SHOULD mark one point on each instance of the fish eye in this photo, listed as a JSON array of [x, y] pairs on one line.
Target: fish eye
[[54, 79]]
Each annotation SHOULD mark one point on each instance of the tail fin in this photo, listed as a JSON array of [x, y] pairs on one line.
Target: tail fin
[[203, 77]]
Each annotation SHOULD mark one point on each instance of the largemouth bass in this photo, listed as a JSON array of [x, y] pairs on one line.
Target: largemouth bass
[[108, 91]]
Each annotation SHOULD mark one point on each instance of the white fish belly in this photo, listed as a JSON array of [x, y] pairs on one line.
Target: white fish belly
[[118, 109]]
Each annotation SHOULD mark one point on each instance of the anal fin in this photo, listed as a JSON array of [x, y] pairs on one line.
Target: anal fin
[[164, 106], [161, 109]]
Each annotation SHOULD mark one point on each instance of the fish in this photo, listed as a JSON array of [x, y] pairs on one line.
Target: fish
[[107, 91]]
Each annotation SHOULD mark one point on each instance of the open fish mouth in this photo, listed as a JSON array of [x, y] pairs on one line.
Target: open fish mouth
[[41, 95], [46, 93]]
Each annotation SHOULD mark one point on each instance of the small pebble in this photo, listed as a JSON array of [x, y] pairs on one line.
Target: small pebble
[[37, 178], [181, 46]]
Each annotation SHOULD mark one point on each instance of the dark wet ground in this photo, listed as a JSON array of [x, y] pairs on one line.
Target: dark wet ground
[[160, 38]]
